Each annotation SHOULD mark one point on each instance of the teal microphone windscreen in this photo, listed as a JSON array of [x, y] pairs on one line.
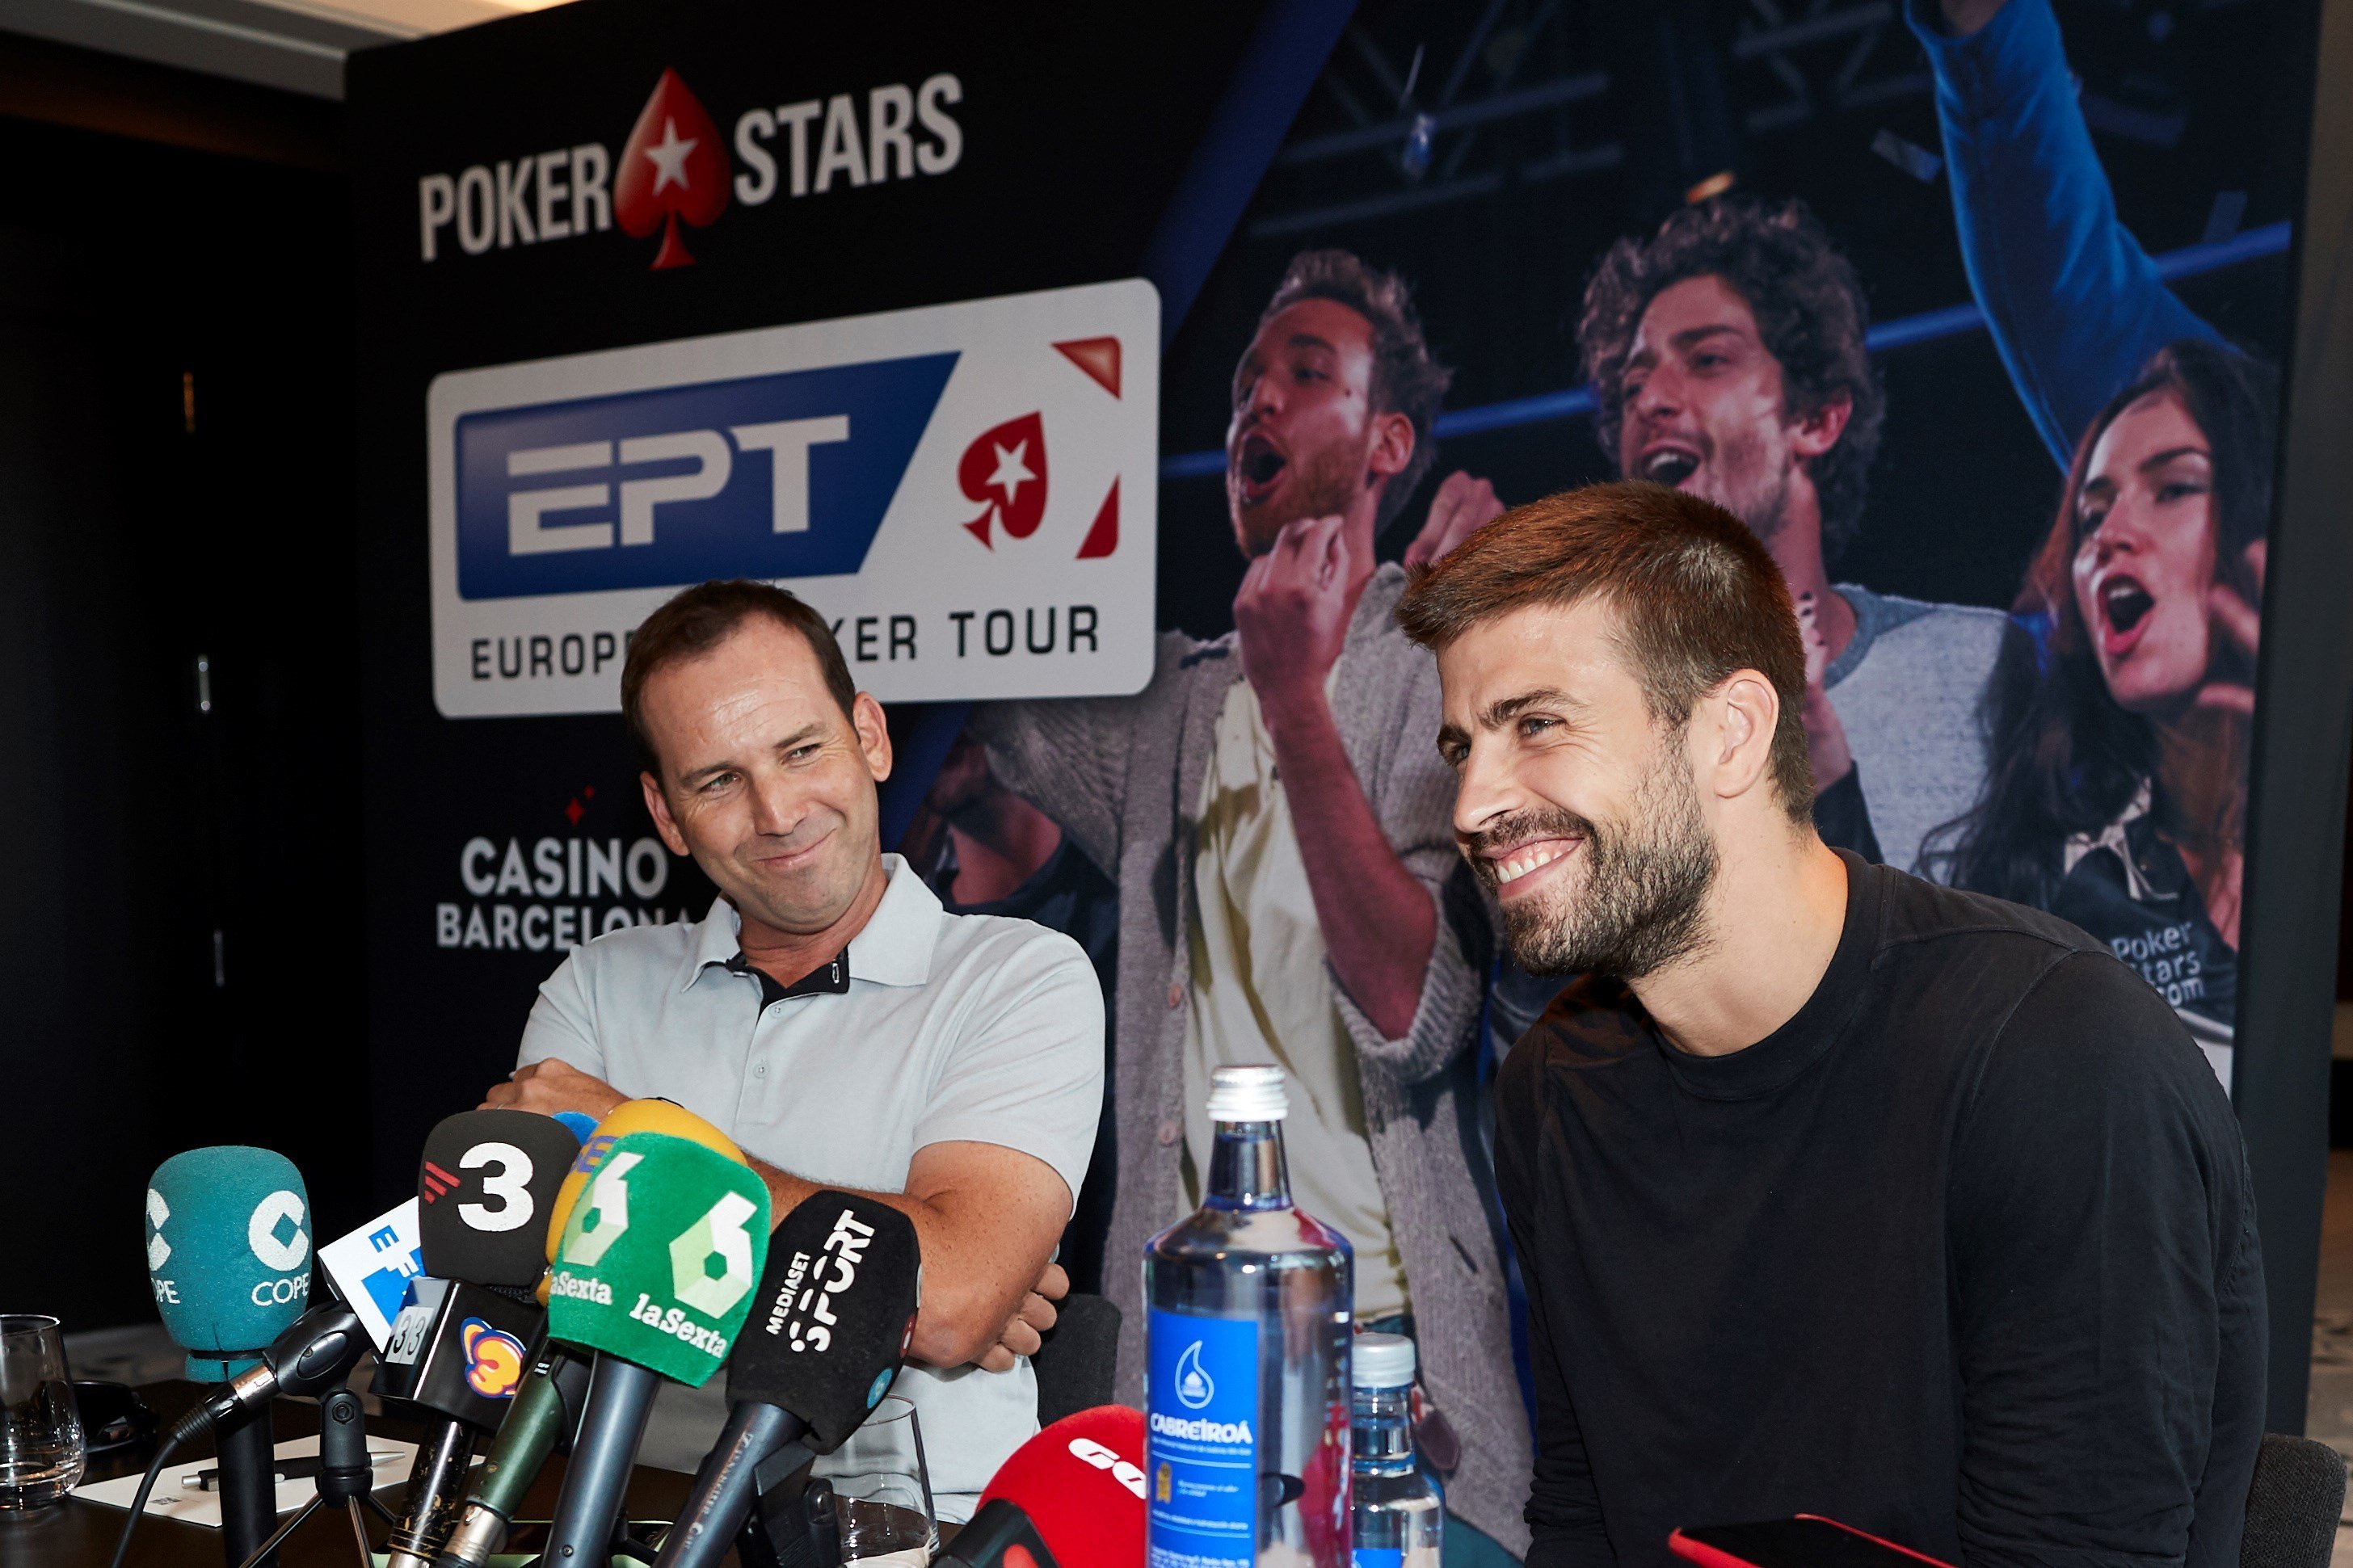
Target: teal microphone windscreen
[[228, 1254]]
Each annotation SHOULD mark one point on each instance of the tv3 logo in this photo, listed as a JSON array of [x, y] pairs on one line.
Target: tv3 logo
[[719, 1236], [506, 1177]]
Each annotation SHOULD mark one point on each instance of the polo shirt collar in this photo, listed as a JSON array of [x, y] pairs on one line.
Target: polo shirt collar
[[894, 948]]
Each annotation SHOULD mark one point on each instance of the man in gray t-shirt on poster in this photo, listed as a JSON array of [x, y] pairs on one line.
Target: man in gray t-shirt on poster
[[1727, 357]]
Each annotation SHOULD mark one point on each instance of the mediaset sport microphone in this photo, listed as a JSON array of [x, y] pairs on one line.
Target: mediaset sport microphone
[[547, 1407], [828, 1330], [462, 1341], [228, 1256], [655, 1274], [1073, 1495]]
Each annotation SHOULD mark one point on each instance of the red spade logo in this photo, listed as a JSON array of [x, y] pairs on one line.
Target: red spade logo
[[672, 168], [1007, 469]]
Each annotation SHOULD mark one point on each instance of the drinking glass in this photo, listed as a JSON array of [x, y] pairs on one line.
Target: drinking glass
[[40, 1432], [882, 1490]]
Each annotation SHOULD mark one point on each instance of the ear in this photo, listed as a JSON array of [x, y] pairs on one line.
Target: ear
[[873, 735], [657, 808], [1392, 447], [1816, 433], [1735, 746]]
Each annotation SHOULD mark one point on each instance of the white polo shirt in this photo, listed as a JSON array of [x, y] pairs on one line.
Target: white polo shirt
[[953, 1028]]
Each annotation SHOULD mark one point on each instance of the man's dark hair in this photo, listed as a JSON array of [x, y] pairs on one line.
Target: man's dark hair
[[695, 620], [1695, 594], [1406, 379], [1811, 315]]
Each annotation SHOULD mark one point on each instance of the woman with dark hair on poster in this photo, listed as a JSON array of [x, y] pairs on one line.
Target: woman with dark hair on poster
[[2118, 714]]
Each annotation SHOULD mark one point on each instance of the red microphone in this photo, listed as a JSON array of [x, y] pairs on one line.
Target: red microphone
[[1071, 1497]]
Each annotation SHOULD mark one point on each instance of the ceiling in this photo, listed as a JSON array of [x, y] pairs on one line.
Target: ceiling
[[296, 45]]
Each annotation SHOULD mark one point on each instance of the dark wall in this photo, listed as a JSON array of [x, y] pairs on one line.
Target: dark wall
[[134, 538]]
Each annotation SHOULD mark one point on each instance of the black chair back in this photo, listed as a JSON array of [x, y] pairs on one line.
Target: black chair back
[[1074, 1363], [2293, 1506]]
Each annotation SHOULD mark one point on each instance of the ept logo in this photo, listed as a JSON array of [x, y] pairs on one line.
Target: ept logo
[[674, 166], [678, 484], [494, 1359]]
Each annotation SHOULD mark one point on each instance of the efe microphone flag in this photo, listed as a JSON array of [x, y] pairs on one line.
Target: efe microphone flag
[[485, 1188], [660, 1256], [228, 1254]]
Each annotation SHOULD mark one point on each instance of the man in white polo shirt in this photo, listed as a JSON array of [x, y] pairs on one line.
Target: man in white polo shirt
[[831, 1017]]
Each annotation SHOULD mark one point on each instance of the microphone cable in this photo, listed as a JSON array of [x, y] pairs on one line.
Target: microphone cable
[[146, 1485]]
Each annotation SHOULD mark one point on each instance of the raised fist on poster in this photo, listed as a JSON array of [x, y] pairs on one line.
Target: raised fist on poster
[[1461, 507], [1292, 613]]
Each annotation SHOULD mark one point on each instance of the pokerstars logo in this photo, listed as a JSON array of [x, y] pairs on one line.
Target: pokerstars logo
[[674, 169]]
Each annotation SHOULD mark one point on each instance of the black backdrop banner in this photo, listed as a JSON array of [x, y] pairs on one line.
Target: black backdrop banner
[[494, 219], [912, 310]]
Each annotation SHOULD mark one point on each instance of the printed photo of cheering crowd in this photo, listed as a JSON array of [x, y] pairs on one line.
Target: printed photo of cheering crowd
[[1972, 310]]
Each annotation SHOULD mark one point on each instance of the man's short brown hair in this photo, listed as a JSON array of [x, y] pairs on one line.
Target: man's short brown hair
[[1406, 377], [1811, 317], [696, 620], [1697, 596]]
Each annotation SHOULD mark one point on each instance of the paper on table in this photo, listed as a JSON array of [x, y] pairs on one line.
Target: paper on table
[[189, 1506]]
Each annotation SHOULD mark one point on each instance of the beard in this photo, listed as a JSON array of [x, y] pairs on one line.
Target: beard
[[1640, 902], [1322, 483]]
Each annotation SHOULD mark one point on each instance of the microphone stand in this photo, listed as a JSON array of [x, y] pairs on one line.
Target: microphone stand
[[345, 1476]]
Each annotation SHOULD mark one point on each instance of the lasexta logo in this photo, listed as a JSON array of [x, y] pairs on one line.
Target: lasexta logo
[[672, 167], [773, 476]]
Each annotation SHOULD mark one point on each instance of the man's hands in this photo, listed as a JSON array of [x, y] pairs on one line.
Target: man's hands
[[1461, 507], [550, 1086], [1292, 612], [1825, 735], [1024, 1330]]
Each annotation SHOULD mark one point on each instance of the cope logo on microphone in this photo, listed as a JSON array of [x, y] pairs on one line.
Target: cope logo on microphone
[[494, 1359], [893, 469]]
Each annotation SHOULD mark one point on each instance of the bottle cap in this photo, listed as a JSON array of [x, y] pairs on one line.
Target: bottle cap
[[1380, 1361], [1248, 1094]]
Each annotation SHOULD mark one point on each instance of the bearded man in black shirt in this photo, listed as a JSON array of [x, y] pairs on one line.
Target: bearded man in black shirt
[[1835, 1191]]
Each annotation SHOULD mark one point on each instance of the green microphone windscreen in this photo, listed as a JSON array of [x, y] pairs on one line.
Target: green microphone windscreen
[[660, 1256]]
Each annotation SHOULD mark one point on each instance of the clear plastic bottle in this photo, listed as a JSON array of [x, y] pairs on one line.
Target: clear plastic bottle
[[1400, 1519], [1247, 1338]]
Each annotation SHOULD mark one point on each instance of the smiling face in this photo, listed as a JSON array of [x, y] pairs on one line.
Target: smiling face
[[2145, 554], [1304, 440], [1575, 806], [766, 781], [1704, 408]]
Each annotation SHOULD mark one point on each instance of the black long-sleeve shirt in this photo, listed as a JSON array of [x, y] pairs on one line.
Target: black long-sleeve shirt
[[1964, 1255]]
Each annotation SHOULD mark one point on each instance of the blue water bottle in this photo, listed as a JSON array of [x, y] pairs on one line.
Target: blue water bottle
[[1400, 1521], [1246, 1436]]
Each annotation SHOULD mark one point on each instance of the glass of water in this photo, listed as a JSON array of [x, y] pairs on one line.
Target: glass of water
[[882, 1490], [40, 1432]]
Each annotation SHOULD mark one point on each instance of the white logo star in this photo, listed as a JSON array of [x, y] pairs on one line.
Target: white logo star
[[669, 157], [1011, 473]]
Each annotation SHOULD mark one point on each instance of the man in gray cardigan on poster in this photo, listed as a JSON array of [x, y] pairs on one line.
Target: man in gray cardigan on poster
[[1274, 812]]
